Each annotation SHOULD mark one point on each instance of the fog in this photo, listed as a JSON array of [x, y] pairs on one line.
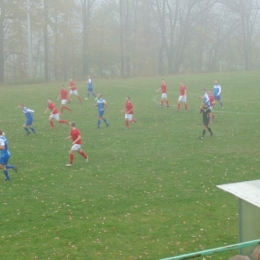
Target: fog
[[60, 39]]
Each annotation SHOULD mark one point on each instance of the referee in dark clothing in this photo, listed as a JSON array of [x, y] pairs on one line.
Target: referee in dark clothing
[[207, 118]]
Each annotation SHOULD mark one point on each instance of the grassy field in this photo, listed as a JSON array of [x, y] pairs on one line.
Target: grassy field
[[146, 193]]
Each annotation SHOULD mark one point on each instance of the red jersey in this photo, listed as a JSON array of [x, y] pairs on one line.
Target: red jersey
[[182, 90], [53, 108], [211, 100], [63, 93], [129, 107], [72, 85], [163, 88], [75, 133]]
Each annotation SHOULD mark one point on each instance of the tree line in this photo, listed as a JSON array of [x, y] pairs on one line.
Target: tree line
[[61, 39]]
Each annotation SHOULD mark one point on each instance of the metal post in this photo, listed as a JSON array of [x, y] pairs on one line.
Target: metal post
[[29, 35]]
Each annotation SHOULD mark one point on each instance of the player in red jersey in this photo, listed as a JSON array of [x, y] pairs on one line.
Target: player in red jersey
[[63, 96], [163, 88], [182, 97], [73, 91], [76, 143], [212, 102], [129, 111], [54, 114]]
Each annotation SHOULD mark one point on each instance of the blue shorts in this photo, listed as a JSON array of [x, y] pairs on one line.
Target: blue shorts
[[101, 113], [29, 122], [90, 89], [217, 97], [4, 160]]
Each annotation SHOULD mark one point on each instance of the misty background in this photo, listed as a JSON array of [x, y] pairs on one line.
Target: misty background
[[61, 39]]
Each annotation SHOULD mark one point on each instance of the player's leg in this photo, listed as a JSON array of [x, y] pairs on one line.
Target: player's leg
[[71, 155], [105, 121], [179, 104], [204, 130], [61, 121], [65, 107], [127, 121], [79, 98], [32, 128], [98, 121], [167, 101], [3, 163], [50, 121], [186, 106], [25, 126], [210, 131], [83, 154]]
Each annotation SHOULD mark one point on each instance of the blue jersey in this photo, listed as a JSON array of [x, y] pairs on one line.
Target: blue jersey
[[206, 99], [28, 113], [217, 90], [101, 104], [90, 86], [5, 152]]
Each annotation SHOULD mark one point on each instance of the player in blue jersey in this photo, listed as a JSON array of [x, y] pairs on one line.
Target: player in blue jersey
[[5, 155], [101, 104], [205, 97], [29, 119], [90, 89], [216, 93]]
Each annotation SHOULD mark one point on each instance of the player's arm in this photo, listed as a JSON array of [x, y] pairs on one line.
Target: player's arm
[[46, 110], [123, 110], [219, 90], [105, 105], [158, 89], [78, 138], [210, 116], [30, 111], [2, 144], [59, 97], [67, 138]]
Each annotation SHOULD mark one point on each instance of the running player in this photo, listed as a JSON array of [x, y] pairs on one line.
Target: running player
[[63, 96], [207, 118], [73, 91], [54, 114], [163, 88], [90, 89], [217, 91], [182, 97], [76, 143], [5, 155], [29, 119], [101, 104], [129, 111]]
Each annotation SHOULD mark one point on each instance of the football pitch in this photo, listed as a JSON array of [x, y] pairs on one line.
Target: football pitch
[[146, 193]]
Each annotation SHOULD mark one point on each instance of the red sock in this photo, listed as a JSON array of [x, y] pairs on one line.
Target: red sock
[[132, 120], [79, 98], [71, 158], [186, 107], [63, 121], [61, 110], [167, 102], [68, 108], [127, 123], [179, 106], [51, 123], [82, 153]]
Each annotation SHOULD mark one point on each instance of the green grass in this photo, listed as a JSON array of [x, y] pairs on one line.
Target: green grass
[[149, 192]]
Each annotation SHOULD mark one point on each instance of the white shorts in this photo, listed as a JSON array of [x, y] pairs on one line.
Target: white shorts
[[182, 99], [75, 147], [64, 101], [129, 116], [74, 92], [55, 116], [164, 95]]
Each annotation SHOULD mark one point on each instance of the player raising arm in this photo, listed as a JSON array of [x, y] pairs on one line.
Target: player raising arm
[[63, 96], [29, 119]]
